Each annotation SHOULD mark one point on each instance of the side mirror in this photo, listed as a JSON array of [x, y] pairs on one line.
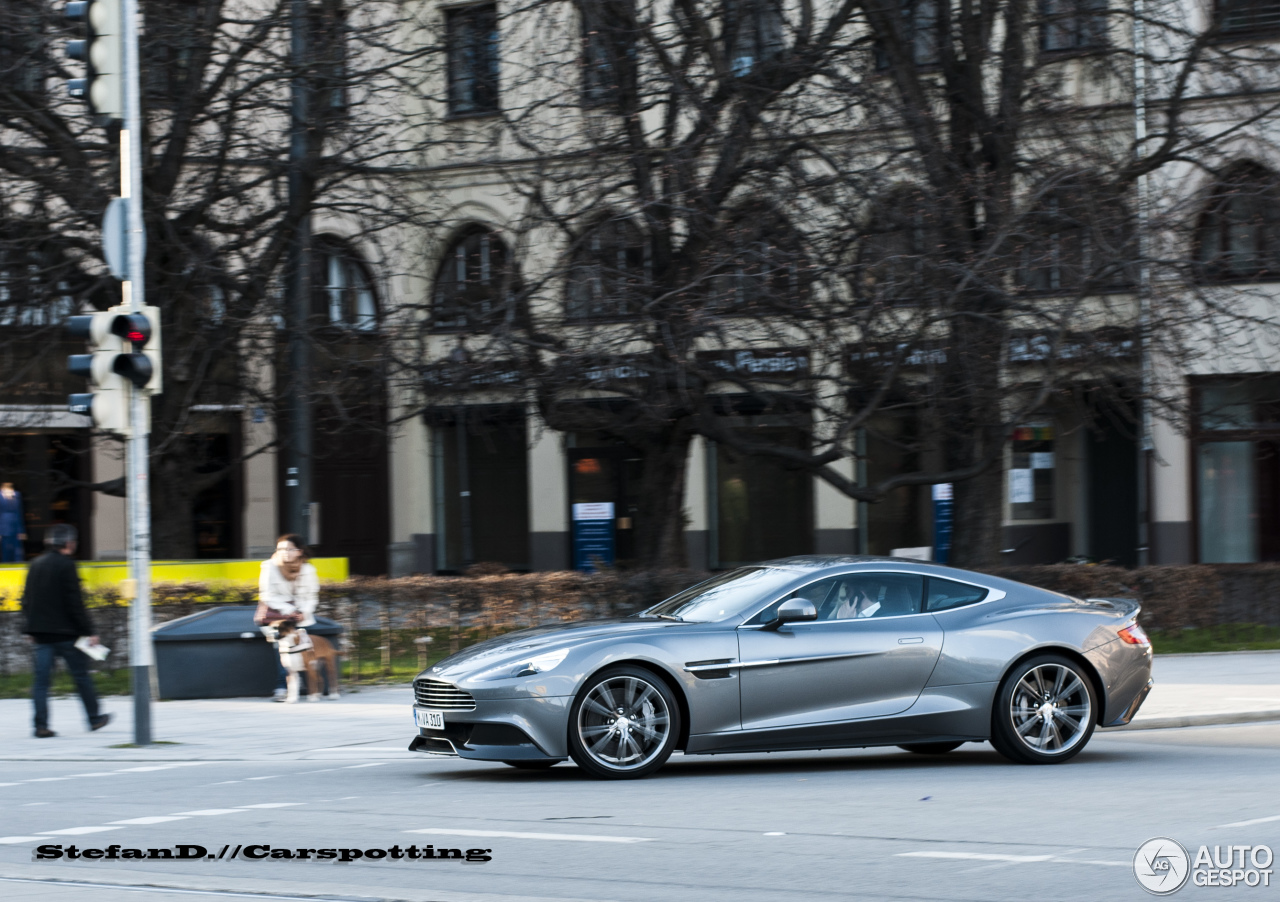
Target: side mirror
[[793, 610]]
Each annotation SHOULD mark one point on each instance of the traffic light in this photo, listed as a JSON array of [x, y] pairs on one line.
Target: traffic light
[[101, 52], [124, 351]]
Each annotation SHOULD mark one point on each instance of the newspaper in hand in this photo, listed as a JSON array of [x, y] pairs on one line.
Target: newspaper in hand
[[97, 652]]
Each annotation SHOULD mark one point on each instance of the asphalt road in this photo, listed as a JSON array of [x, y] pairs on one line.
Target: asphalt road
[[866, 824]]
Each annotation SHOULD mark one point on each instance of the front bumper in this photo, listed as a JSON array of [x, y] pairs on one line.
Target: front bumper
[[512, 729]]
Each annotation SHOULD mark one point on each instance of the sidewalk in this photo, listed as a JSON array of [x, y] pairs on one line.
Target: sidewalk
[[376, 723]]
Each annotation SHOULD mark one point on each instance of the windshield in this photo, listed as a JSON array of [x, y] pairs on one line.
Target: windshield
[[724, 595]]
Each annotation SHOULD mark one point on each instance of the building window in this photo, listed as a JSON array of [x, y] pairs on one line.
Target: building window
[[23, 65], [753, 33], [471, 37], [1239, 235], [342, 292], [174, 36], [920, 30], [476, 286], [1237, 452], [608, 50], [893, 257], [1076, 240], [608, 272], [1073, 24], [761, 265], [1245, 17], [1031, 472]]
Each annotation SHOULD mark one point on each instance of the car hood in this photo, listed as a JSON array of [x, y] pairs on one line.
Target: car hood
[[531, 641]]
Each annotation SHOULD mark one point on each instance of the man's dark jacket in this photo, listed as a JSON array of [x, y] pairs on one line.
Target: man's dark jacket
[[52, 600]]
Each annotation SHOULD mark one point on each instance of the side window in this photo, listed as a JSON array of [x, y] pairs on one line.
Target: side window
[[862, 595], [944, 594], [817, 593]]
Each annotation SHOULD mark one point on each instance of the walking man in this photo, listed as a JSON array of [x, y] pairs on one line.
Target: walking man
[[56, 616]]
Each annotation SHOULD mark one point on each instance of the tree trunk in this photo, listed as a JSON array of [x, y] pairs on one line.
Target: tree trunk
[[660, 515], [976, 534]]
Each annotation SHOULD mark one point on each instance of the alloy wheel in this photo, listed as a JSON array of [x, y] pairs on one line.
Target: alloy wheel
[[624, 723], [1050, 709]]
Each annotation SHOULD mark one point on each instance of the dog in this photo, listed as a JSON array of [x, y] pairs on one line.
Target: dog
[[300, 652]]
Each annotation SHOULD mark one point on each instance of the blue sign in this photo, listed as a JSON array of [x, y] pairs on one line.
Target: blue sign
[[593, 545], [943, 506]]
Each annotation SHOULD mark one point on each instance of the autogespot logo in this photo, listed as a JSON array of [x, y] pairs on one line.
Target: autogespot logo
[[1161, 866]]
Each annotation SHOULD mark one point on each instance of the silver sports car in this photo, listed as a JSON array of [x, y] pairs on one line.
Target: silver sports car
[[812, 652]]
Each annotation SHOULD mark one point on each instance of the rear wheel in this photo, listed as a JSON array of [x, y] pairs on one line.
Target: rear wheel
[[532, 764], [623, 724], [931, 748], [1045, 711]]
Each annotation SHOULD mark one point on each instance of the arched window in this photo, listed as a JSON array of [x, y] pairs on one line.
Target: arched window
[[608, 271], [341, 290], [1239, 234], [893, 256], [761, 264], [1077, 237], [476, 286]]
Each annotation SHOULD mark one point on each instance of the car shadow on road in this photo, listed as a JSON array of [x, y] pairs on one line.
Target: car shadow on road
[[973, 756]]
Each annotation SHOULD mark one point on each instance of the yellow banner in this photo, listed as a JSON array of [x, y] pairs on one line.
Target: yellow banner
[[105, 574]]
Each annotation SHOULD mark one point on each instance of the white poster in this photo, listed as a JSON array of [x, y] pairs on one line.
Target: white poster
[[1042, 460], [593, 511], [1022, 486]]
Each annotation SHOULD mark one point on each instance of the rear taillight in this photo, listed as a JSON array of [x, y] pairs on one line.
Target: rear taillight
[[1134, 635]]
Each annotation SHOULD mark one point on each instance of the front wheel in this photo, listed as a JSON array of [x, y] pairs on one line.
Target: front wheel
[[931, 748], [1045, 711], [623, 724]]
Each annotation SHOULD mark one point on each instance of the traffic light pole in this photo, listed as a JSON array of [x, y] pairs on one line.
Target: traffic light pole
[[136, 451]]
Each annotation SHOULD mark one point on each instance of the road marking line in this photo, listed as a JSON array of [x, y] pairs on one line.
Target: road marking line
[[157, 819], [269, 805], [775, 834], [1256, 820], [46, 779], [10, 784], [79, 831], [975, 856], [354, 766], [206, 812], [510, 834], [1110, 864], [268, 777], [143, 770], [103, 773], [8, 840]]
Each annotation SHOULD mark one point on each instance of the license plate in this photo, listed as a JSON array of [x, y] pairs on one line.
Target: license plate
[[429, 720]]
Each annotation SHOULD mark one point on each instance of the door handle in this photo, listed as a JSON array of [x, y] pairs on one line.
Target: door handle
[[911, 640]]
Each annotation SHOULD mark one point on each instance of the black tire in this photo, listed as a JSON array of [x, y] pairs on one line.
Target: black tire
[[1045, 711], [611, 705], [931, 748], [532, 764]]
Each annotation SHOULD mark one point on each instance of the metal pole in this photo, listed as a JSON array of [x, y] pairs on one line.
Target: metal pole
[[1144, 284], [136, 448], [298, 305]]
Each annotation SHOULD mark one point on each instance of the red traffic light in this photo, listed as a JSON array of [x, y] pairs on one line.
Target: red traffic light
[[132, 327]]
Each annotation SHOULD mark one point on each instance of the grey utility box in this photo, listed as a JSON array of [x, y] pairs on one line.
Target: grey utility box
[[220, 653]]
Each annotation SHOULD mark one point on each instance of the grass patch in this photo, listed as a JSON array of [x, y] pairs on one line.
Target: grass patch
[[109, 682], [1224, 637]]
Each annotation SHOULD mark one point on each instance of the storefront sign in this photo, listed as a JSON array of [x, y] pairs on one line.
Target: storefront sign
[[905, 354], [593, 540], [769, 363]]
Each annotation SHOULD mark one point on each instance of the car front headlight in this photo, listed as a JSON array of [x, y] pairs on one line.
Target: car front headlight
[[525, 667]]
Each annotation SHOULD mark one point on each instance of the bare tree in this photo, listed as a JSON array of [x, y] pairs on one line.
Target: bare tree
[[911, 209], [216, 97]]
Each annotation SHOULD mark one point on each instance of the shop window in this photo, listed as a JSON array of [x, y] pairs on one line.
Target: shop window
[[1031, 472], [604, 470], [471, 38], [482, 487], [903, 518], [1237, 451], [51, 471], [761, 508]]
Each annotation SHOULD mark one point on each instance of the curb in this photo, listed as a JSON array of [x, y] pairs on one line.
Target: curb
[[1198, 720]]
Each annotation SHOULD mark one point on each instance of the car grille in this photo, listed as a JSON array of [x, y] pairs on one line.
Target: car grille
[[439, 694]]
